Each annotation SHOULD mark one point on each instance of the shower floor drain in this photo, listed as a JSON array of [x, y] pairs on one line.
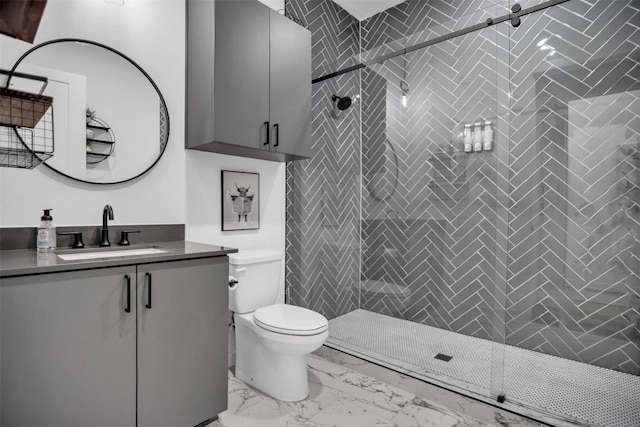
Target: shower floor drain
[[444, 357]]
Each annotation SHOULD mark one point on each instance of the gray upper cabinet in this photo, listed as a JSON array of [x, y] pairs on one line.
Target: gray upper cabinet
[[290, 95], [248, 81], [241, 75]]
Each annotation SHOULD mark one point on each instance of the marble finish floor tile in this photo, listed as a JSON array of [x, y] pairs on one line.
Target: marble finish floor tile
[[338, 397]]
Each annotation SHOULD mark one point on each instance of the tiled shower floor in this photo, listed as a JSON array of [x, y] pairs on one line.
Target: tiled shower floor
[[599, 396]]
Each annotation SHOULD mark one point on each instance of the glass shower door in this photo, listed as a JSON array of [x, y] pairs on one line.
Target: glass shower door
[[431, 211], [572, 328]]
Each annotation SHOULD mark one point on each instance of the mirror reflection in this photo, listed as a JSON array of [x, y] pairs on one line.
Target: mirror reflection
[[111, 122]]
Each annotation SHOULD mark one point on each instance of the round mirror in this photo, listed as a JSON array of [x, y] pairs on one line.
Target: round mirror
[[111, 123]]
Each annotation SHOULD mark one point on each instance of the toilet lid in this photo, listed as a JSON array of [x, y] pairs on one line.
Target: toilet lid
[[290, 320]]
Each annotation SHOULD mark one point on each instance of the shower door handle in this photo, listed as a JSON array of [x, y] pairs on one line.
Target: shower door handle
[[268, 127], [276, 127]]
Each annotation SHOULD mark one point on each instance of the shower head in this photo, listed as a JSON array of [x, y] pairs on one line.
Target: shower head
[[343, 103]]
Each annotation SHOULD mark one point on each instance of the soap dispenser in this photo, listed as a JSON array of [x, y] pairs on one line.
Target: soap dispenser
[[487, 137], [46, 236], [468, 139], [477, 137]]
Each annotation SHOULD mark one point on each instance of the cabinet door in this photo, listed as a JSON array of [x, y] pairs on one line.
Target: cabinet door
[[68, 349], [290, 103], [182, 341], [241, 101]]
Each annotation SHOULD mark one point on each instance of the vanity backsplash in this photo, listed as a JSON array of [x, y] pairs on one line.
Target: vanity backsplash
[[25, 237]]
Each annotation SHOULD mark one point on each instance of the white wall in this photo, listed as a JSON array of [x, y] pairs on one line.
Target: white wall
[[274, 4], [204, 204], [184, 187], [151, 32]]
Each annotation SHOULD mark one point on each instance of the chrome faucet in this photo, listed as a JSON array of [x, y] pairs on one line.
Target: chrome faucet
[[107, 213]]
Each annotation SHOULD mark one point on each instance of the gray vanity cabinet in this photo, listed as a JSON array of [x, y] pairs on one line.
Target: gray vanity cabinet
[[78, 349], [68, 349], [248, 81], [182, 348]]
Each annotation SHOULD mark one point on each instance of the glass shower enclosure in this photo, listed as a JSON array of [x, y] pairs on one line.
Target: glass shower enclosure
[[474, 217]]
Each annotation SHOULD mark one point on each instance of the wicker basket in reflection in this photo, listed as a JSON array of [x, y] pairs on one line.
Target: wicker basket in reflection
[[22, 109]]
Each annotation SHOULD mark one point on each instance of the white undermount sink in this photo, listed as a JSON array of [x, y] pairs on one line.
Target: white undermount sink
[[97, 254]]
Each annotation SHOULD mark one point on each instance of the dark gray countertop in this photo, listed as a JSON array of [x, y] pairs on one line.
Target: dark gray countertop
[[22, 262]]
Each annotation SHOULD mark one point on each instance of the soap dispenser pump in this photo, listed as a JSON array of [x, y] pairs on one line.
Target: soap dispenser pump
[[46, 236]]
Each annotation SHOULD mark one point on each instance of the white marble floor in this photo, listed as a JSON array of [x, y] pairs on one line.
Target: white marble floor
[[341, 397]]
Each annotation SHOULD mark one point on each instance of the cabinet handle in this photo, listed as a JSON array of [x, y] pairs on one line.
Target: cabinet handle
[[277, 129], [148, 304], [128, 307], [268, 127]]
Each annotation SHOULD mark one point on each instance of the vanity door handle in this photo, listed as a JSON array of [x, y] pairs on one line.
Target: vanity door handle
[[128, 307], [276, 127], [148, 304]]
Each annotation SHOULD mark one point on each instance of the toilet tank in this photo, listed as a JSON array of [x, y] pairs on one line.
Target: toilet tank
[[258, 276]]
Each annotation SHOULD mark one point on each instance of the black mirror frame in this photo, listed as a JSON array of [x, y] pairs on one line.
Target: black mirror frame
[[164, 112]]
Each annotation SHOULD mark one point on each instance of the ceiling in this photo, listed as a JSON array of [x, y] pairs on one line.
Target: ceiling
[[363, 9]]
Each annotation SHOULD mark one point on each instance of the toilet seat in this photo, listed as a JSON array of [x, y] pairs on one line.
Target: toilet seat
[[290, 320]]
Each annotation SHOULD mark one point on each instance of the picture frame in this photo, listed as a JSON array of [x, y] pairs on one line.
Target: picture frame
[[240, 200]]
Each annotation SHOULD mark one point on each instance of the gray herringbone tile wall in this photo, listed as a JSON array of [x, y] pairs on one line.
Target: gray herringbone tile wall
[[323, 193], [541, 233]]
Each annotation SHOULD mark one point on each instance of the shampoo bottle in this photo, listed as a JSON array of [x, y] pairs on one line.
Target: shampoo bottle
[[467, 139], [488, 136], [477, 137], [46, 236]]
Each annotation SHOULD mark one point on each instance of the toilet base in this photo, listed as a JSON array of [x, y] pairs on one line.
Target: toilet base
[[284, 378], [273, 367]]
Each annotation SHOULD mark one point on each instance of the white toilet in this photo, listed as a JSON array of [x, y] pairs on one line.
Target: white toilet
[[271, 339]]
